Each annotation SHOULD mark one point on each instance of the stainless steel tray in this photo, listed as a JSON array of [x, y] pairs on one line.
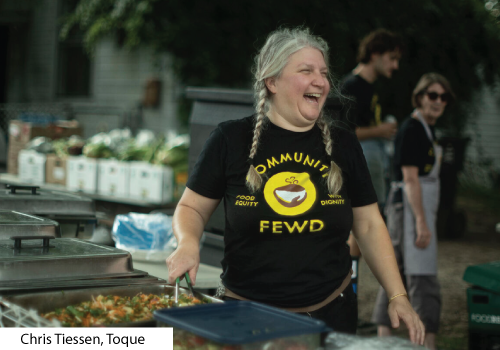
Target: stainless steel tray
[[48, 301], [14, 223], [64, 258], [136, 277], [32, 200]]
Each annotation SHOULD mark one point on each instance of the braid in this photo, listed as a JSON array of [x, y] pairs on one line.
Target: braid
[[325, 133], [334, 180], [254, 179], [259, 120]]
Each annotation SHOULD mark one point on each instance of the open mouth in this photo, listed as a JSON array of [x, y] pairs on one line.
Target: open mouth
[[313, 98], [290, 195]]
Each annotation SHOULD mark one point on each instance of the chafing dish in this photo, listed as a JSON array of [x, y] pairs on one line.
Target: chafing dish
[[76, 214], [33, 304], [14, 223], [42, 262]]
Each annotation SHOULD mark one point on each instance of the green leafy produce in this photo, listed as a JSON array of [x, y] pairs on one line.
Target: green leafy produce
[[68, 146], [132, 152], [97, 150], [174, 157], [60, 147]]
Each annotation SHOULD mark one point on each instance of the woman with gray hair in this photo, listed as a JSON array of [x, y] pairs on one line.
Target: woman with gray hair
[[293, 186]]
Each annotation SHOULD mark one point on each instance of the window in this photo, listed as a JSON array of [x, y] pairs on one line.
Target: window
[[74, 66]]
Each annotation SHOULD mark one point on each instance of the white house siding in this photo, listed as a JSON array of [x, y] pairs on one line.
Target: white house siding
[[484, 130], [118, 81]]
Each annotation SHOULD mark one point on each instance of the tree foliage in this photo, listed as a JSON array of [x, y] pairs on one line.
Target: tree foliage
[[213, 42]]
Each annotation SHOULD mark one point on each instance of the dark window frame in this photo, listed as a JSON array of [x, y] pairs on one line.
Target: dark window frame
[[74, 66]]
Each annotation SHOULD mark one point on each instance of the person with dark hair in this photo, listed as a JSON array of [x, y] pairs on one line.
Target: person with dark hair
[[293, 187], [413, 203], [378, 56]]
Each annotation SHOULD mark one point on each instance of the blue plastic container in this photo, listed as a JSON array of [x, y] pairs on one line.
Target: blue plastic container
[[241, 325], [38, 118]]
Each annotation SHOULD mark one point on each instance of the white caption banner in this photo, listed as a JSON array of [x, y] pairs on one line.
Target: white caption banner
[[87, 338]]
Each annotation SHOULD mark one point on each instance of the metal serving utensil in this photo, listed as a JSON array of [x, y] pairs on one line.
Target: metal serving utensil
[[190, 286], [194, 293], [176, 293]]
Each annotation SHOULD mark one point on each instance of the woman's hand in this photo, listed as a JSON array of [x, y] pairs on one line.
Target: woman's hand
[[400, 309], [186, 258], [423, 234]]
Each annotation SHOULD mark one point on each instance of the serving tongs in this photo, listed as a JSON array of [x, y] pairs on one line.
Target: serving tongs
[[176, 293], [194, 293]]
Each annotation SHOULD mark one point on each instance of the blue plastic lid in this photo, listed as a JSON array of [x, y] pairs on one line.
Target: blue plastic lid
[[239, 322]]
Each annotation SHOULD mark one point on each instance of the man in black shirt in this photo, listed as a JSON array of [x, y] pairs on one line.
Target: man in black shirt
[[378, 56]]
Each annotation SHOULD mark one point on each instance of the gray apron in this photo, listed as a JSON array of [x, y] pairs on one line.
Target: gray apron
[[418, 261]]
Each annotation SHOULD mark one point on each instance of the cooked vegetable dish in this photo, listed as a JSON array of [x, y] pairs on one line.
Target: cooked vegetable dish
[[105, 310], [184, 340]]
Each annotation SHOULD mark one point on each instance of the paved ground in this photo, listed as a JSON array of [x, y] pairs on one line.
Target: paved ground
[[480, 244]]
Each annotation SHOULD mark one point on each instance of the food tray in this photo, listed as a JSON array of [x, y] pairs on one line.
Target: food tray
[[75, 213], [33, 200], [248, 325], [61, 258], [14, 223], [48, 301], [137, 278]]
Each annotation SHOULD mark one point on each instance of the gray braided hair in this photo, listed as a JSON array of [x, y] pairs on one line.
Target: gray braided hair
[[269, 63]]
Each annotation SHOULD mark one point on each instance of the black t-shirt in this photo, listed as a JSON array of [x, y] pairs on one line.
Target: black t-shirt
[[412, 147], [365, 110], [286, 244]]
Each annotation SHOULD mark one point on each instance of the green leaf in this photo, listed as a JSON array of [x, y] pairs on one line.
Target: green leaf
[[74, 311]]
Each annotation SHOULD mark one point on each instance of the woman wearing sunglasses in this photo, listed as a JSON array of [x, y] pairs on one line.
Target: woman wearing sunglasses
[[413, 203]]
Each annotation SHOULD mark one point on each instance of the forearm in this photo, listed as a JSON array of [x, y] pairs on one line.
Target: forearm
[[188, 225], [368, 132], [414, 195], [376, 247]]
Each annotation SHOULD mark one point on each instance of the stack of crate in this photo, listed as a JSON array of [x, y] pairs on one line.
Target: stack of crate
[[483, 301]]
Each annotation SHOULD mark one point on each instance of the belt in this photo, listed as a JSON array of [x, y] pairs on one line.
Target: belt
[[311, 308]]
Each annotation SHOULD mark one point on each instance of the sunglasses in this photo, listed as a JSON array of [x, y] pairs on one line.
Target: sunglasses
[[433, 96]]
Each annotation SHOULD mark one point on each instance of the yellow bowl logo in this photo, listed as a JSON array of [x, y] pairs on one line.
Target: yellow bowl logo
[[290, 193]]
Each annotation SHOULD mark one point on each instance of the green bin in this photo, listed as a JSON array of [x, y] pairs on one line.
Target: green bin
[[483, 303]]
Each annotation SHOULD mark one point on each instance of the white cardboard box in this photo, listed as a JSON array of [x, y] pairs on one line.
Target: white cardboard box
[[32, 166], [113, 178], [152, 183], [82, 174]]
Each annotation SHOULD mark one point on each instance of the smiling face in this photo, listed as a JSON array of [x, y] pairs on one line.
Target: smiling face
[[386, 63], [432, 109], [299, 93]]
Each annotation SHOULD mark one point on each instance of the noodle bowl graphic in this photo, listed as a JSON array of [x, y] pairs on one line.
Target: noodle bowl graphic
[[290, 195]]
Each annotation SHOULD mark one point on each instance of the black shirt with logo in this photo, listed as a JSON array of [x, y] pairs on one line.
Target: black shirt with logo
[[286, 244], [412, 147], [364, 110]]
